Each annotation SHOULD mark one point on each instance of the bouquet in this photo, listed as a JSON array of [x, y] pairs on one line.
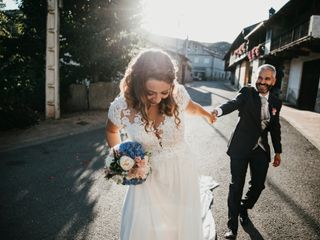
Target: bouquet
[[127, 163]]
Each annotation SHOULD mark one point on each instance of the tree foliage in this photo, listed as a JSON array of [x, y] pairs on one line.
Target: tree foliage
[[97, 38], [21, 58], [99, 35]]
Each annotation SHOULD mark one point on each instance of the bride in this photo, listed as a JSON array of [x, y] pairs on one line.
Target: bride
[[151, 109]]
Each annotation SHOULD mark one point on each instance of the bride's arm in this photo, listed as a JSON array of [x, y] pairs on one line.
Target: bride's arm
[[112, 134], [194, 108]]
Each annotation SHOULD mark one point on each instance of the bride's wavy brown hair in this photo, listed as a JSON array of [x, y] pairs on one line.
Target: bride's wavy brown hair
[[151, 63]]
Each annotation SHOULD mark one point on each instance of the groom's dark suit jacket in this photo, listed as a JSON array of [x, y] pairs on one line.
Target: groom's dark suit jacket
[[248, 129]]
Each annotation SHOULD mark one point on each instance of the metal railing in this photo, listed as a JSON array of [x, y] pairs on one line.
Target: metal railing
[[291, 36]]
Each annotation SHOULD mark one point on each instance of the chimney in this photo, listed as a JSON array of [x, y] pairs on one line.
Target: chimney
[[271, 12]]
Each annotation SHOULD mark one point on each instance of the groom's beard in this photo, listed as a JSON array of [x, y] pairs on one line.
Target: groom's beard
[[263, 88]]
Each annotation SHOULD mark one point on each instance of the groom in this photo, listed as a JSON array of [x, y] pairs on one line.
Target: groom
[[258, 114]]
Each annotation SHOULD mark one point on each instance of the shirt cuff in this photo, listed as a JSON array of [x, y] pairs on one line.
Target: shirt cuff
[[219, 111]]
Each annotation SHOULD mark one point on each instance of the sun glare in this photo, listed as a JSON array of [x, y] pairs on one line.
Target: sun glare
[[163, 17], [204, 20]]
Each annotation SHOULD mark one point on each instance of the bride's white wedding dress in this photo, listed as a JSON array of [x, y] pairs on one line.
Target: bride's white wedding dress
[[169, 205]]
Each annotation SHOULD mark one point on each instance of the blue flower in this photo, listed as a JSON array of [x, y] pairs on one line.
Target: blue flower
[[131, 149], [134, 181]]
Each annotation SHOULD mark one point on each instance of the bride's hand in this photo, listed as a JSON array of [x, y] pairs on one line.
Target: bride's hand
[[211, 118]]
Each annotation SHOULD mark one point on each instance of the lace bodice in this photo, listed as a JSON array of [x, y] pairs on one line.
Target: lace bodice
[[131, 121]]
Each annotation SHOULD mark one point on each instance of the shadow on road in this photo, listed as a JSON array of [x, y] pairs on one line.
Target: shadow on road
[[252, 231], [207, 91], [200, 97], [223, 136], [46, 190], [307, 218], [218, 84]]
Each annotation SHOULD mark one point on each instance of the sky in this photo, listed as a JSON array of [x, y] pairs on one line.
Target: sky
[[205, 20], [10, 4], [201, 20]]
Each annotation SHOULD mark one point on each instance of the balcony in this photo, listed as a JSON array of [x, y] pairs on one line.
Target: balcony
[[300, 33]]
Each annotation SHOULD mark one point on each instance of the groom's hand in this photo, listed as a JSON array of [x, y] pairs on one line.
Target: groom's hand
[[215, 113], [276, 160]]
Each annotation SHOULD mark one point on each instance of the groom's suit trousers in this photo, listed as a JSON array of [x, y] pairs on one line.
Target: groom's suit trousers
[[258, 162]]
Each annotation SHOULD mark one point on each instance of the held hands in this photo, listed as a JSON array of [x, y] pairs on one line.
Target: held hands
[[215, 113], [211, 118], [196, 109], [276, 160]]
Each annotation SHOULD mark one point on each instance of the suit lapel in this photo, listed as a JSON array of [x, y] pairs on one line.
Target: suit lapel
[[256, 107], [271, 102]]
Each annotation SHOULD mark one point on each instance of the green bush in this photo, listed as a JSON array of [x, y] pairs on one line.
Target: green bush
[[18, 117]]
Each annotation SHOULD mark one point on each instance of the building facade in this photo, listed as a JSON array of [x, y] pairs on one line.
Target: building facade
[[289, 40], [202, 63], [206, 64]]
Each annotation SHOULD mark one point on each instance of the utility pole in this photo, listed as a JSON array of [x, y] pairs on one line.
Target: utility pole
[[212, 67], [52, 60]]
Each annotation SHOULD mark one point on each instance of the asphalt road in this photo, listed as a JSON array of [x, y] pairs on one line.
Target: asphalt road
[[56, 190]]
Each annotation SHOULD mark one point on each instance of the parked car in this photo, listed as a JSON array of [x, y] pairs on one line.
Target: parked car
[[197, 78]]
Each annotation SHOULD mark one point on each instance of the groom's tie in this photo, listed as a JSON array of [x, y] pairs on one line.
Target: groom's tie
[[265, 115]]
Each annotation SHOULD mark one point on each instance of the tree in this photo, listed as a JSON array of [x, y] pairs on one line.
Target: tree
[[99, 36], [20, 60]]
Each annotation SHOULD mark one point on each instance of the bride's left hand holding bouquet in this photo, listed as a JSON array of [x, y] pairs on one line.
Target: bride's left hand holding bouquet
[[127, 163]]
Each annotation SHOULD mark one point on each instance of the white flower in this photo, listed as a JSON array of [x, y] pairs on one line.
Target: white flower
[[118, 179], [108, 161], [126, 163]]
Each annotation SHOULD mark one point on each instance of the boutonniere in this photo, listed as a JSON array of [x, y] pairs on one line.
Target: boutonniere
[[274, 111]]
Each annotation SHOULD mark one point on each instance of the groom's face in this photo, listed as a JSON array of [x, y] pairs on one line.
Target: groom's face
[[265, 81]]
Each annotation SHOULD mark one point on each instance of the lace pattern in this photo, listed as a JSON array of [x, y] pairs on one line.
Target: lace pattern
[[165, 136]]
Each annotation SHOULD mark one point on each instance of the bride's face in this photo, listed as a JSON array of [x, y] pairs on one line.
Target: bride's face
[[157, 90]]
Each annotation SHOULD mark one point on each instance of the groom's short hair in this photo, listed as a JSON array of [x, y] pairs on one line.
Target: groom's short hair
[[269, 67]]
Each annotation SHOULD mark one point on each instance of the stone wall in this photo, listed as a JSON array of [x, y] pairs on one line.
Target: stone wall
[[101, 94], [285, 80], [78, 98], [98, 96]]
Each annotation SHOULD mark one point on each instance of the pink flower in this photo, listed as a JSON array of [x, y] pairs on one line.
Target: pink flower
[[274, 111], [140, 162], [137, 172], [141, 172]]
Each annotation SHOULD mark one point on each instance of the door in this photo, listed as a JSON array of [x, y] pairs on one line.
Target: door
[[309, 85]]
